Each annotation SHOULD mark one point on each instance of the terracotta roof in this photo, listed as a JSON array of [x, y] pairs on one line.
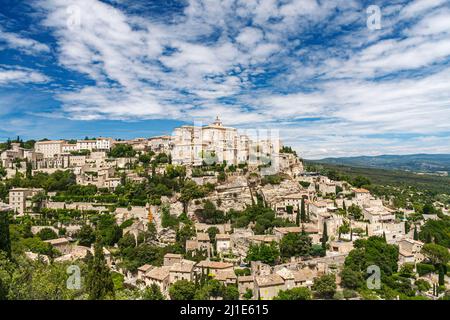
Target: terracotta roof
[[214, 264], [225, 275], [183, 266], [222, 236], [285, 273], [202, 236], [246, 278], [191, 244], [173, 255], [303, 275], [158, 273], [269, 280], [145, 267], [286, 230], [264, 238], [361, 190]]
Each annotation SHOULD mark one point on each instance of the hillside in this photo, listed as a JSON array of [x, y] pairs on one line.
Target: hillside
[[427, 163], [426, 183]]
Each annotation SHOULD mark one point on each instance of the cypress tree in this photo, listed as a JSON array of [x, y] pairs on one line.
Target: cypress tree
[[5, 240], [29, 170], [324, 235], [344, 206], [302, 211], [99, 281], [441, 274], [367, 230], [416, 234], [407, 227], [297, 217]]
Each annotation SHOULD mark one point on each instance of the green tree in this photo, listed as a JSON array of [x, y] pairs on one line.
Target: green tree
[[212, 232], [295, 244], [248, 294], [2, 172], [324, 238], [152, 293], [29, 170], [108, 229], [38, 201], [231, 292], [209, 214], [182, 290], [422, 285], [416, 234], [47, 234], [185, 233], [302, 211], [37, 280], [351, 279], [189, 191], [437, 254], [85, 236], [168, 220], [324, 287], [5, 240], [373, 251], [300, 293], [266, 253], [99, 281], [437, 231], [360, 181], [122, 151], [355, 212]]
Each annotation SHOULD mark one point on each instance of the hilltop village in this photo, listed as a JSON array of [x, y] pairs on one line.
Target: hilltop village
[[208, 213]]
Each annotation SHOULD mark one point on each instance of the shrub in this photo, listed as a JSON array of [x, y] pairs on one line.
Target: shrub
[[423, 268]]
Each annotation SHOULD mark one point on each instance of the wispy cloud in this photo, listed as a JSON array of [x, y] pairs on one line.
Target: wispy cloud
[[24, 44], [20, 75]]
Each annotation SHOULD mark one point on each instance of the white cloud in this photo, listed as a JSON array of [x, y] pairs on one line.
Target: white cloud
[[418, 7], [20, 75], [23, 44]]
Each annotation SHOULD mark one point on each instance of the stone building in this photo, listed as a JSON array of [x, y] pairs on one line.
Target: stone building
[[20, 199]]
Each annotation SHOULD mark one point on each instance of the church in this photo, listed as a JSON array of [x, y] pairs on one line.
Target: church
[[216, 143]]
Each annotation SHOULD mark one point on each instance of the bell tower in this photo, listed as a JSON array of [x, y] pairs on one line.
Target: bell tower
[[217, 122]]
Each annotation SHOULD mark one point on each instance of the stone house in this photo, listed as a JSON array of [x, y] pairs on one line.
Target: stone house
[[223, 242], [213, 267], [171, 258], [268, 286], [159, 276], [410, 251], [61, 244], [183, 270], [246, 283]]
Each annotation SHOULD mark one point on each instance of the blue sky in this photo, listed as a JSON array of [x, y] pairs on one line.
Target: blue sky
[[312, 69]]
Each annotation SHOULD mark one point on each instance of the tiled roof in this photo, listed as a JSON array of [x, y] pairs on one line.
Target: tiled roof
[[158, 273], [269, 280]]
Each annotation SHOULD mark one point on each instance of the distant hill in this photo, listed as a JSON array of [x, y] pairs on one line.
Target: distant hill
[[427, 163]]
